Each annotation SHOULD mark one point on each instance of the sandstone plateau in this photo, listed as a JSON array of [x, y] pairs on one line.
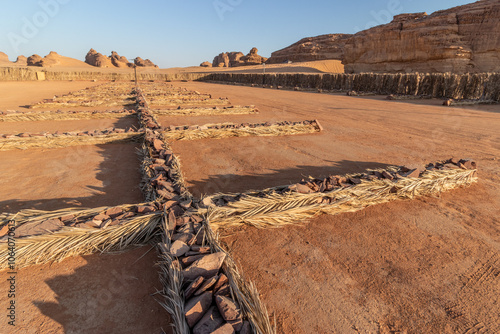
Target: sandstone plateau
[[464, 39], [234, 59], [460, 40], [312, 48]]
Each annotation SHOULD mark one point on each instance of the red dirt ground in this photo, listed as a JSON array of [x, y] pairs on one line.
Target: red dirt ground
[[430, 265], [87, 176], [91, 294]]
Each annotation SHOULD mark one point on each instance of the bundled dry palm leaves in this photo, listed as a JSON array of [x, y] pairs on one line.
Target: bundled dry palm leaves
[[62, 116], [227, 130], [236, 110], [71, 241], [277, 209], [20, 143]]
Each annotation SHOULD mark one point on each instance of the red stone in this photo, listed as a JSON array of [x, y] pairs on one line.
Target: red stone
[[196, 307]]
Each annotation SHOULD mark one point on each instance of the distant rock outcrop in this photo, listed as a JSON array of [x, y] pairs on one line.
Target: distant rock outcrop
[[234, 59], [206, 64], [97, 59], [4, 58], [22, 60], [322, 47], [120, 61], [35, 60], [252, 58], [144, 63], [460, 40]]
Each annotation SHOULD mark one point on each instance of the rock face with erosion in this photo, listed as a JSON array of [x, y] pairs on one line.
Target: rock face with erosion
[[22, 60], [97, 59], [234, 59], [35, 60], [144, 63], [206, 64], [120, 61], [4, 58], [312, 48], [460, 40]]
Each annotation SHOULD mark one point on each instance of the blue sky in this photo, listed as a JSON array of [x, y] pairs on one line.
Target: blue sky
[[186, 32]]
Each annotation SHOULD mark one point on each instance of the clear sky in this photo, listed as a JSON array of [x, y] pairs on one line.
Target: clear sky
[[186, 32]]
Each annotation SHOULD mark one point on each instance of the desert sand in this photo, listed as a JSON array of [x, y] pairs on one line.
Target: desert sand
[[92, 294], [427, 265], [408, 266]]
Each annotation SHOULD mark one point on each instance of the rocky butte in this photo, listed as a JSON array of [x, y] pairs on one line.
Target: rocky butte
[[234, 59], [322, 47], [460, 40]]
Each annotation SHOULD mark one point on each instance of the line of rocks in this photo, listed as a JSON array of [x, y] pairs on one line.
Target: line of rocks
[[222, 126], [160, 173], [451, 102], [208, 301], [41, 112], [110, 217], [59, 134], [209, 305], [335, 182]]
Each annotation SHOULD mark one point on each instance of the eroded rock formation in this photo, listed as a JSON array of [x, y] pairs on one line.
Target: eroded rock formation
[[35, 60], [144, 63], [233, 59], [206, 64], [22, 60], [322, 47], [97, 59], [120, 61], [460, 40]]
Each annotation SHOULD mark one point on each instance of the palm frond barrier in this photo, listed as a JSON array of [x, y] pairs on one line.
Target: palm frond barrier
[[233, 110], [280, 206], [60, 141], [227, 130], [179, 284], [63, 116], [134, 231]]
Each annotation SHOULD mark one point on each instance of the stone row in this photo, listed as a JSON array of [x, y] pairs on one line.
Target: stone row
[[106, 218], [336, 182], [59, 134], [209, 305], [21, 112], [208, 300], [240, 126]]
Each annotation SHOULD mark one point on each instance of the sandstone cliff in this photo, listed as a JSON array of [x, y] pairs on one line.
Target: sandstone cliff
[[461, 39], [312, 48]]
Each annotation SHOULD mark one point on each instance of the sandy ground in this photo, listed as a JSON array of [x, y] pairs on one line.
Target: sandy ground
[[16, 94], [87, 176], [91, 294], [429, 265]]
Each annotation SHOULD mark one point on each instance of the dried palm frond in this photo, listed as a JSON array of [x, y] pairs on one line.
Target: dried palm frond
[[20, 143], [69, 241], [237, 110], [272, 130], [244, 293], [276, 210], [171, 280], [61, 116]]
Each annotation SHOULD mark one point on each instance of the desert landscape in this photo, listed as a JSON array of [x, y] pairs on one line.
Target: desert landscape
[[347, 183]]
